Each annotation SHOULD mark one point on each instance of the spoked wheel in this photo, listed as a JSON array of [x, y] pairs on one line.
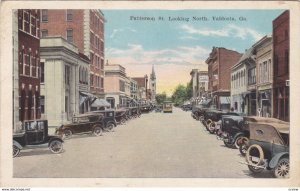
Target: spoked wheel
[[212, 127], [123, 121], [207, 124], [282, 170], [110, 127], [238, 141], [244, 146], [98, 131], [67, 134], [56, 146], [16, 151], [252, 164]]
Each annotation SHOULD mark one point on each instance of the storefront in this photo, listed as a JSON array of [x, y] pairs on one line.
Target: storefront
[[264, 103]]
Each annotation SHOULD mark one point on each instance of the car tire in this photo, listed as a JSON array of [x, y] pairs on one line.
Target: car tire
[[123, 121], [56, 146], [282, 169], [244, 146], [261, 154], [67, 134], [97, 131], [207, 124], [212, 127], [110, 127], [16, 151], [237, 142]]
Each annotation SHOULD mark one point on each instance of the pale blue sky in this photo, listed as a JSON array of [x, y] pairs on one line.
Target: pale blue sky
[[179, 43]]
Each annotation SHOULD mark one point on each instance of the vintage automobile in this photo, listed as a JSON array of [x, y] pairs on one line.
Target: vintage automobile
[[158, 108], [268, 146], [35, 133], [231, 130], [146, 108], [109, 120], [213, 119], [82, 123], [135, 112], [197, 110], [120, 116], [168, 107]]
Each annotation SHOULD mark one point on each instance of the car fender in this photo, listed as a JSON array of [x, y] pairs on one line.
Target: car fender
[[17, 144], [238, 134], [54, 138], [276, 158]]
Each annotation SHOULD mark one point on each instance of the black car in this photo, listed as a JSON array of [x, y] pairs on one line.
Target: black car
[[35, 132], [232, 130], [82, 123], [120, 116], [109, 120], [197, 110], [268, 146]]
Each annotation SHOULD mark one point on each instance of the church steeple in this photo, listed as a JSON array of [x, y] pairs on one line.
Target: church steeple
[[153, 76]]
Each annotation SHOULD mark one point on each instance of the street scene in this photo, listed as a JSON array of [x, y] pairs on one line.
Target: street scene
[[151, 94], [172, 146]]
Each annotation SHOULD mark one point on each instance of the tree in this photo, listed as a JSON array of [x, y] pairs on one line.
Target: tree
[[179, 95], [160, 98]]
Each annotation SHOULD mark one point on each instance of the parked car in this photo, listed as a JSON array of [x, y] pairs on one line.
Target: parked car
[[34, 133], [213, 119], [197, 109], [268, 146], [145, 108], [231, 130], [109, 120], [158, 108], [82, 123], [135, 112], [120, 116]]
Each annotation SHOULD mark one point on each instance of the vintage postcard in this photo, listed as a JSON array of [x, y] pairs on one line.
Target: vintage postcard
[[172, 93]]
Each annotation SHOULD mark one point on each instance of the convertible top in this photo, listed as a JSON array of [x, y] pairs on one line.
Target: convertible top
[[281, 126]]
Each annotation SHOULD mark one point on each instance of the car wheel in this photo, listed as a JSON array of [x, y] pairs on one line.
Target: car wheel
[[212, 127], [207, 124], [257, 150], [67, 134], [238, 141], [110, 127], [227, 144], [97, 131], [123, 121], [16, 151], [243, 147], [282, 169], [56, 146]]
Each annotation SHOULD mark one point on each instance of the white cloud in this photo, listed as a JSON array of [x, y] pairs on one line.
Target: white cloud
[[115, 31], [227, 31], [135, 54]]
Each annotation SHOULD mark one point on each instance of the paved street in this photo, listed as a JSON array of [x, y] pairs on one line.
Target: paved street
[[156, 145]]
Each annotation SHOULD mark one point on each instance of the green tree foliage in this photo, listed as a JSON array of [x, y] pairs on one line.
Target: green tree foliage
[[160, 98], [179, 95]]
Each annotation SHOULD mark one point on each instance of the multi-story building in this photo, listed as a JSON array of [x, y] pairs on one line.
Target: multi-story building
[[116, 85], [199, 80], [64, 81], [142, 83], [134, 89], [242, 98], [194, 80], [264, 76], [152, 85], [26, 58], [84, 29], [281, 64], [219, 63]]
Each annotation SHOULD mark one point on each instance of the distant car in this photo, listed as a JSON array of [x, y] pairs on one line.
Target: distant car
[[158, 108], [268, 146], [35, 132], [82, 123]]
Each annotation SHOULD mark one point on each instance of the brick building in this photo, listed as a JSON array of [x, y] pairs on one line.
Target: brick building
[[84, 29], [26, 42], [142, 83], [219, 62], [281, 66]]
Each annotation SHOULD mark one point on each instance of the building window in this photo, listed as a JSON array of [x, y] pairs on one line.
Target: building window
[[67, 75], [121, 86], [44, 15], [66, 104], [42, 103], [69, 15], [42, 72], [29, 63], [70, 35], [22, 64], [251, 76], [26, 21], [92, 80], [102, 64], [101, 83], [44, 33], [32, 25], [92, 58], [286, 60], [37, 61]]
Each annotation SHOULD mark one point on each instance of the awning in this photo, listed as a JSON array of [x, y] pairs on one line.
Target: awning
[[225, 100], [100, 103]]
